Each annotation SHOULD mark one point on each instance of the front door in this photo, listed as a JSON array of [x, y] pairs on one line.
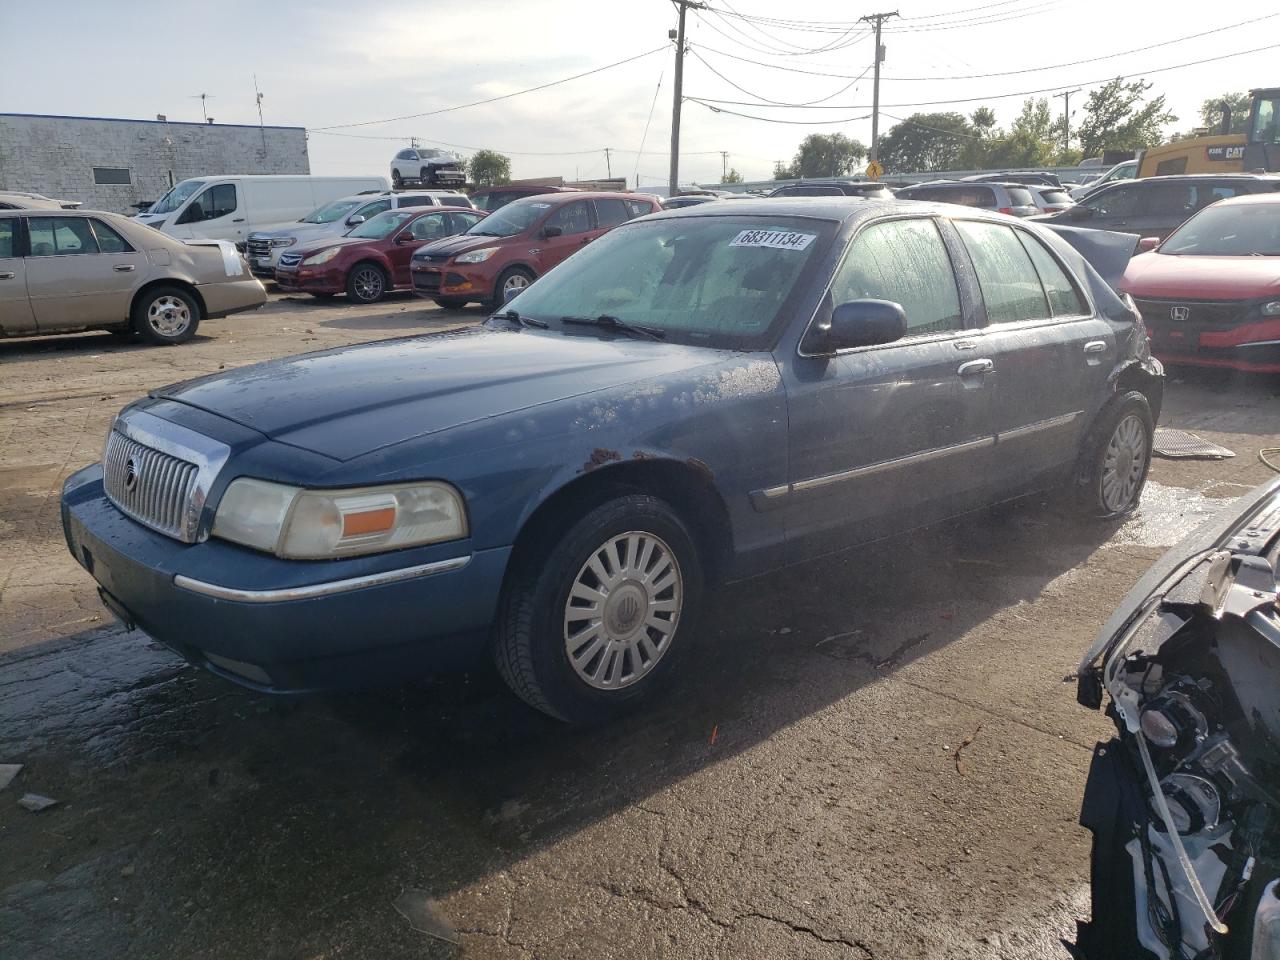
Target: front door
[[16, 317], [577, 228], [426, 229], [1050, 354], [885, 438], [80, 272], [214, 214]]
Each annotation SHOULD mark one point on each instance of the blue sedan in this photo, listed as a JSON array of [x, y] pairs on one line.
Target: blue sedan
[[698, 396]]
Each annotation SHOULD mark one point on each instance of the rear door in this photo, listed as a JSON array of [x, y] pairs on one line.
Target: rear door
[[1050, 354], [888, 437], [16, 317], [576, 222], [75, 280], [1163, 207], [1115, 208]]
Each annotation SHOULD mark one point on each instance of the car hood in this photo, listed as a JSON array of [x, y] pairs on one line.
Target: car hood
[[452, 246], [302, 231], [313, 245], [1163, 277], [350, 401]]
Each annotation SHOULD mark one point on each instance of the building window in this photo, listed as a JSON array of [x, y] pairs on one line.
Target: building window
[[112, 175]]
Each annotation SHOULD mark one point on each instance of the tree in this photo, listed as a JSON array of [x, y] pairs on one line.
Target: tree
[[1211, 112], [1117, 119], [733, 176], [1032, 141], [827, 155], [783, 171], [488, 168], [927, 141]]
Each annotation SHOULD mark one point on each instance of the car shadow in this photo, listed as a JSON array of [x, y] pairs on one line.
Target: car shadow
[[233, 805]]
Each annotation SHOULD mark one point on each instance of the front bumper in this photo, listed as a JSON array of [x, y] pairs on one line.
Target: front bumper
[[232, 296], [437, 280], [1252, 345], [311, 280], [287, 626]]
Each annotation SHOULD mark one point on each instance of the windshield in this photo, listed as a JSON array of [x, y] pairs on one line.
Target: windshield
[[383, 225], [718, 281], [176, 197], [1231, 230], [516, 217], [331, 212]]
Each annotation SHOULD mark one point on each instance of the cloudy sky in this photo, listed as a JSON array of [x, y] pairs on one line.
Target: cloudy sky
[[334, 63]]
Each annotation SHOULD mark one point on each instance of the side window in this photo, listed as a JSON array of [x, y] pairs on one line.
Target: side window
[[1064, 298], [432, 227], [371, 210], [222, 200], [1207, 193], [61, 236], [1116, 202], [809, 192], [610, 213], [417, 201], [572, 218], [904, 261], [8, 236], [638, 208], [109, 241], [462, 222], [1177, 199], [1010, 285]]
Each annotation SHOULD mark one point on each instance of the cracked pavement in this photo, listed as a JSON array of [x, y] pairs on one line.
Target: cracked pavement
[[796, 795]]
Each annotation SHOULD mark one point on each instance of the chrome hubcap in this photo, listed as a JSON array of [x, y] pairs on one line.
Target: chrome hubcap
[[168, 316], [1123, 464], [368, 284], [515, 283], [623, 610]]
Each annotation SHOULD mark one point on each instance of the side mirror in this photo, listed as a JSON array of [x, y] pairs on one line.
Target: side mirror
[[865, 323], [407, 238], [1147, 244], [549, 232], [355, 220]]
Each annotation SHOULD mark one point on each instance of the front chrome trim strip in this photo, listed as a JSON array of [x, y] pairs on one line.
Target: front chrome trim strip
[[1259, 343], [313, 590], [1039, 426], [924, 456]]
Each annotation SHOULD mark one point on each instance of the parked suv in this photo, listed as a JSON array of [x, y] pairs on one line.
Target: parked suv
[[869, 189], [428, 167], [1011, 198], [1154, 206], [264, 247], [490, 199], [1036, 178], [508, 250]]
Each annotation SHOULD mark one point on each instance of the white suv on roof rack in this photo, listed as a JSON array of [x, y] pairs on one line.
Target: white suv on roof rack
[[263, 248]]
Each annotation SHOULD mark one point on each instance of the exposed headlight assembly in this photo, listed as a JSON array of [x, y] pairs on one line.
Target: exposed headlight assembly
[[283, 241], [476, 256], [1271, 309], [324, 256], [300, 524]]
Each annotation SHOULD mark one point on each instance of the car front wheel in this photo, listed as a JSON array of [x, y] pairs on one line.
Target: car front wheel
[[366, 283], [596, 624], [1116, 457], [166, 315]]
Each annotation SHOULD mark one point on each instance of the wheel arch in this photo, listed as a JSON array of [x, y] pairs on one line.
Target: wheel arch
[[1147, 377], [182, 285]]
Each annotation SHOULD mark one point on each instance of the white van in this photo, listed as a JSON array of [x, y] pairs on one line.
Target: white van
[[232, 207]]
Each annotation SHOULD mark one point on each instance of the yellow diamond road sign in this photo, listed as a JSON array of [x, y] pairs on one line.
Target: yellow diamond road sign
[[874, 170]]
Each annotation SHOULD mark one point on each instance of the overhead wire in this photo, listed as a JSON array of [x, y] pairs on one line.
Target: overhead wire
[[797, 123], [779, 103], [645, 136], [835, 44]]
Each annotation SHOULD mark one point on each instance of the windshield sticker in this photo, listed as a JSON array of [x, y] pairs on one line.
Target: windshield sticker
[[775, 239]]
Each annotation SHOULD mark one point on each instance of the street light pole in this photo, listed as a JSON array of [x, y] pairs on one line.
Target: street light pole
[[1066, 117]]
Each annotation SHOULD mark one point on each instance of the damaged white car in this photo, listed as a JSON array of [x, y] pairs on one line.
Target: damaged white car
[[1184, 803]]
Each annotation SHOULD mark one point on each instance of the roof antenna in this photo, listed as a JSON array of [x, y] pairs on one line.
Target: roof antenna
[[257, 94]]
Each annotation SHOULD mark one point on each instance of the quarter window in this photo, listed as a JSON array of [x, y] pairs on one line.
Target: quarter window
[[610, 213], [1010, 285], [8, 235], [904, 261], [60, 236], [1064, 298], [572, 218], [638, 208], [109, 241]]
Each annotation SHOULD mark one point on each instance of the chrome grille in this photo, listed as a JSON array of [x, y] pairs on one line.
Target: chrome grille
[[152, 487], [290, 259], [258, 247]]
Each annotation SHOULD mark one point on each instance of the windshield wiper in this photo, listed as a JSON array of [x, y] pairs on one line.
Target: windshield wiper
[[610, 322], [520, 320]]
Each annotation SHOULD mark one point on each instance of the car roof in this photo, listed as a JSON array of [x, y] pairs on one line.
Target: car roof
[[825, 208], [587, 195], [1249, 198], [1194, 177]]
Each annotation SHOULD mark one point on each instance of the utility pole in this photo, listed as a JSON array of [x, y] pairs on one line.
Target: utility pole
[[1066, 117], [607, 164], [413, 143], [724, 164], [876, 20], [262, 129], [678, 96]]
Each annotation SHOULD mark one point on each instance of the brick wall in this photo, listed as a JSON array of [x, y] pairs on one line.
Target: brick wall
[[56, 156]]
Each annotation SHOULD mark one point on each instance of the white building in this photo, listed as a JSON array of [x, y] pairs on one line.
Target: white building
[[113, 164]]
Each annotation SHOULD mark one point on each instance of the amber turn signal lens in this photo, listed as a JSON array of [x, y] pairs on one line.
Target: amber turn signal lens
[[368, 521]]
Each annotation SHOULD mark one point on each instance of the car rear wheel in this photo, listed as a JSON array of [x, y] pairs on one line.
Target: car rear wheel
[[424, 175], [1116, 457], [366, 283], [397, 181], [594, 626], [513, 280], [451, 303], [166, 315]]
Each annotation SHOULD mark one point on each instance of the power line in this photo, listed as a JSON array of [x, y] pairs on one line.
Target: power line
[[797, 123], [780, 103], [645, 136], [835, 44], [505, 96], [828, 26]]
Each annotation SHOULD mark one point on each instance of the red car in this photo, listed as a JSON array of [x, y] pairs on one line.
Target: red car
[[1210, 293], [501, 256], [373, 258]]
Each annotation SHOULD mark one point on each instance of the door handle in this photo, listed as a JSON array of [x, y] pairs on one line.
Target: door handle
[[1096, 346], [123, 268], [237, 220], [974, 368], [7, 276]]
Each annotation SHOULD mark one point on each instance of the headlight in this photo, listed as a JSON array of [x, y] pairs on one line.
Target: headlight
[[283, 241], [303, 524], [324, 256], [1271, 309], [476, 256]]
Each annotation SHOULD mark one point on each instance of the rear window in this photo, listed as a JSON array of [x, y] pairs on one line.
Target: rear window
[[808, 192], [968, 196], [419, 201], [1055, 196], [1020, 197]]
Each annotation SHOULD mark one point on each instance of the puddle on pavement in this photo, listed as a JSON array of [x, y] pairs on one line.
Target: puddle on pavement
[[1167, 514]]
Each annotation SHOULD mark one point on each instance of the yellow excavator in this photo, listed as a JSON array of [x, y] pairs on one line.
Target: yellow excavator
[[1256, 150]]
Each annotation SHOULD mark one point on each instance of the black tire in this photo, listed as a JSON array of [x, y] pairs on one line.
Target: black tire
[[424, 176], [397, 181], [1105, 488], [366, 283], [451, 303], [163, 316], [533, 627], [508, 276]]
